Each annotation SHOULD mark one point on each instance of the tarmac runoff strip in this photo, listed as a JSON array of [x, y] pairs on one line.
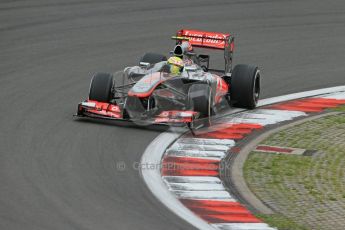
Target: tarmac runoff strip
[[190, 166]]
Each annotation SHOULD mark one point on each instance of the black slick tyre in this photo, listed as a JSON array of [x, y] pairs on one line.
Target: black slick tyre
[[245, 86], [101, 87]]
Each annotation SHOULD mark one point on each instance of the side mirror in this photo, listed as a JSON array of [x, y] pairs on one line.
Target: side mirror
[[144, 64]]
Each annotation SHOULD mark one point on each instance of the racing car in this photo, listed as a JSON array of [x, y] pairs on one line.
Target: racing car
[[149, 93]]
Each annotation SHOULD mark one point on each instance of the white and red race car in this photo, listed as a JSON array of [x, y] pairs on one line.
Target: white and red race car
[[149, 93]]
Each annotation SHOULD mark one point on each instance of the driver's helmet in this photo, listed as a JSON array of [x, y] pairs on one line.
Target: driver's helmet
[[176, 65]]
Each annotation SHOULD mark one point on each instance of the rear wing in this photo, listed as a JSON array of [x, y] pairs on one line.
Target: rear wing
[[209, 40]]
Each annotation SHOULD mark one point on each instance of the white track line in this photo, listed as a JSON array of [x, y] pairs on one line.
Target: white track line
[[312, 93], [339, 96]]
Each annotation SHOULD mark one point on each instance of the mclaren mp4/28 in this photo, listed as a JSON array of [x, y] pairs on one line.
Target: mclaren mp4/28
[[150, 93]]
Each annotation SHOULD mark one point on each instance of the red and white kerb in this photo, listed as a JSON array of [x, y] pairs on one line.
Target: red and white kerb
[[191, 165]]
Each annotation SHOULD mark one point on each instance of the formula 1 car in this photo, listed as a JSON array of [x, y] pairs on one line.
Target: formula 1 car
[[149, 93]]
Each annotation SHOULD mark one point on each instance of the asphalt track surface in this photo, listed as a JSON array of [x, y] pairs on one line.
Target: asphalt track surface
[[58, 173]]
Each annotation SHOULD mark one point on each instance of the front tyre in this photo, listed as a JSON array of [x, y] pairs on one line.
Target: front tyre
[[245, 86], [101, 87]]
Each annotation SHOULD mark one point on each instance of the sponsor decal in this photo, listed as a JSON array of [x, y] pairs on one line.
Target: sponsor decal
[[201, 38]]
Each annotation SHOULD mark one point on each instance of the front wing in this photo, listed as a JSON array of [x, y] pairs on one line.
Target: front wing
[[102, 110]]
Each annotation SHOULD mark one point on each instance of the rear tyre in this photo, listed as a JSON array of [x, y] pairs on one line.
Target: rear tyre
[[153, 58], [245, 86], [200, 99], [101, 87]]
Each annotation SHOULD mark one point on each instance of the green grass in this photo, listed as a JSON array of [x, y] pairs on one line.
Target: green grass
[[301, 187], [339, 109], [280, 222]]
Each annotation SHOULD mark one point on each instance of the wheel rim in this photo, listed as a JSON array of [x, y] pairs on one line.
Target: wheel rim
[[256, 88]]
